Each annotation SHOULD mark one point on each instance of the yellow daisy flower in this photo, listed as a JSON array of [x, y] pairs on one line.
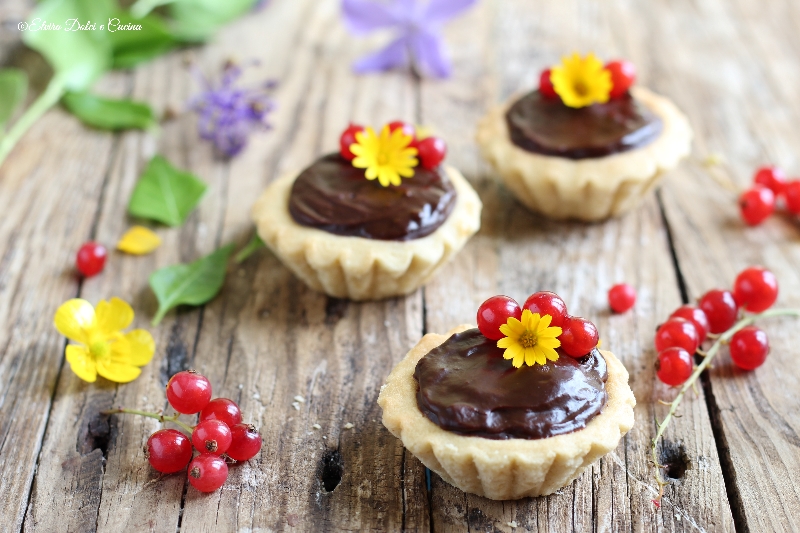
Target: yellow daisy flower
[[530, 340], [102, 347], [387, 157], [581, 81]]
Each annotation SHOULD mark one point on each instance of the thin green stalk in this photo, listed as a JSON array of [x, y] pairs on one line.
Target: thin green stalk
[[158, 416], [50, 97], [709, 356]]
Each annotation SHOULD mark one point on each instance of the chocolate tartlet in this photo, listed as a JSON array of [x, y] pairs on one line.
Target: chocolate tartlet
[[460, 408], [349, 237]]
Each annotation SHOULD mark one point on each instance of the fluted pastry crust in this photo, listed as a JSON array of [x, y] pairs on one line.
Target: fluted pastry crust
[[586, 189], [502, 469], [355, 267]]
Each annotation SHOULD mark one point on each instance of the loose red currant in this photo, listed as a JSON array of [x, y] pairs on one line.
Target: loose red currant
[[495, 312], [407, 128], [755, 289], [246, 442], [749, 348], [720, 309], [791, 193], [756, 205], [208, 472], [212, 436], [91, 259], [772, 178], [548, 303], [222, 409], [621, 297], [188, 392], [696, 316], [546, 86], [431, 152], [677, 332], [169, 450], [347, 139], [578, 336], [623, 75], [674, 366]]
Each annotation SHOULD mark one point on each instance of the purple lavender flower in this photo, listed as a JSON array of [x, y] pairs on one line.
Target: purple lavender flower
[[229, 114], [418, 23]]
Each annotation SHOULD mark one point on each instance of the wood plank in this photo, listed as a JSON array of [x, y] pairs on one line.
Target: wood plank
[[746, 108], [517, 253]]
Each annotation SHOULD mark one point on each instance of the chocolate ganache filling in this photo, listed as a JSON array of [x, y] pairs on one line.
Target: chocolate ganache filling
[[466, 387], [547, 126], [334, 196]]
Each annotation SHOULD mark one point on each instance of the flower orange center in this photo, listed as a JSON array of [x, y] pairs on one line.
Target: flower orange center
[[581, 88], [382, 158], [99, 349], [528, 339]]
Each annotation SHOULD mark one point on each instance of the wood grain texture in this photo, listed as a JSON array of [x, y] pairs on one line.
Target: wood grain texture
[[267, 339]]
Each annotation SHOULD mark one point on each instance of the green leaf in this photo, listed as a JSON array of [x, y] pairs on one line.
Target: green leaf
[[192, 284], [131, 47], [78, 57], [109, 114], [197, 20], [165, 194], [13, 88], [249, 249]]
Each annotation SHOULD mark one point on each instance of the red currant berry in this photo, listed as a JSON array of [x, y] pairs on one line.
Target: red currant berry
[[546, 86], [791, 194], [246, 442], [548, 303], [720, 309], [407, 128], [621, 297], [696, 316], [755, 289], [91, 259], [208, 472], [749, 348], [347, 139], [756, 205], [222, 409], [169, 450], [677, 332], [674, 366], [772, 178], [212, 436], [578, 336], [188, 392], [495, 312], [623, 75], [431, 152]]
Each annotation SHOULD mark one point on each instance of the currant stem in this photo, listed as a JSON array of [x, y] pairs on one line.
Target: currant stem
[[158, 416], [709, 356]]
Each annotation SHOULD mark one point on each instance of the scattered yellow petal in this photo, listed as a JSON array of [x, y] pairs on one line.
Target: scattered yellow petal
[[139, 241]]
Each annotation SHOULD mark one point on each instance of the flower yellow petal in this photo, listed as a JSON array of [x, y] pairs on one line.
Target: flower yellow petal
[[544, 323], [118, 372], [514, 326], [513, 351], [142, 347], [541, 357], [550, 353], [139, 241], [113, 316], [530, 356], [81, 362], [533, 322], [76, 320], [548, 342], [519, 359], [506, 342]]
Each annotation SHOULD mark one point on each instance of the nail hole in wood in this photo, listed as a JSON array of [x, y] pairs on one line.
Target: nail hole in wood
[[335, 308], [674, 459], [332, 470]]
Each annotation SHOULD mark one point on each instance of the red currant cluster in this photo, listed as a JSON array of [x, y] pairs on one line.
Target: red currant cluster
[[623, 76], [769, 186], [91, 259], [219, 433], [578, 335], [430, 150], [677, 339]]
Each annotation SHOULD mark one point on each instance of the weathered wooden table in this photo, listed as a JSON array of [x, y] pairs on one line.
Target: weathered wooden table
[[731, 65]]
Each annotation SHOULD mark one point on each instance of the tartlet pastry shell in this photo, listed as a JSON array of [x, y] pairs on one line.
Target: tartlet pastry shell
[[359, 268], [586, 189], [502, 469]]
